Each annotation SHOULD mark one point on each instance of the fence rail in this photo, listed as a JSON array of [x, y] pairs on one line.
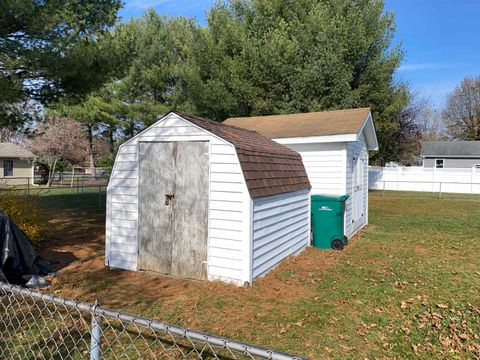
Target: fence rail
[[36, 325], [77, 184], [59, 180], [460, 181]]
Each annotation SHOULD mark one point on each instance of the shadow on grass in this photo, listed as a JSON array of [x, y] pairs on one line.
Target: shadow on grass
[[62, 199], [77, 226]]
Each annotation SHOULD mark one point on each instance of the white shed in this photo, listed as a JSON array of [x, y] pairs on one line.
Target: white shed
[[198, 199], [334, 146]]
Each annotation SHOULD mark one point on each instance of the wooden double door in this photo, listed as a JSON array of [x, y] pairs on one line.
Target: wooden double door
[[173, 208]]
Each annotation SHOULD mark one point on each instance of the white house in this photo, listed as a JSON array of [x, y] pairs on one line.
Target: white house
[[198, 199], [334, 146]]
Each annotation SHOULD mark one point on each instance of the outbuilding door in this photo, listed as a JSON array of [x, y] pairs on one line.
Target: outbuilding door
[[173, 208], [358, 188]]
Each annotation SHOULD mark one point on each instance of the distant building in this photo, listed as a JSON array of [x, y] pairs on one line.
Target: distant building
[[451, 154], [16, 164]]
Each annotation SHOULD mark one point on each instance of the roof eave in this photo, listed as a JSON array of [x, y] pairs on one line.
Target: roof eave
[[368, 129], [317, 139], [21, 157]]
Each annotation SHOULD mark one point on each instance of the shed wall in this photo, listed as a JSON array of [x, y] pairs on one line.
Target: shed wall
[[325, 166], [281, 227], [354, 150], [229, 202]]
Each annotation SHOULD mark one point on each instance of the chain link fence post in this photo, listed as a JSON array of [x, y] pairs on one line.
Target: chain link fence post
[[99, 197], [96, 335], [58, 328]]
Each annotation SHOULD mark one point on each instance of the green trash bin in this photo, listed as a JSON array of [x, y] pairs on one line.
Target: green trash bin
[[327, 221]]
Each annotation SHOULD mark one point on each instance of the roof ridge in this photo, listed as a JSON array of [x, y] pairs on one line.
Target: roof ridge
[[237, 144], [182, 114], [300, 113]]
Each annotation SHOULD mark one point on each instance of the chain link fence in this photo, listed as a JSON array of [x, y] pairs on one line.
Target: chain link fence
[[33, 185], [36, 325]]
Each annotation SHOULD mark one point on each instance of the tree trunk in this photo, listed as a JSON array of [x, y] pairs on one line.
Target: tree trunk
[[91, 149], [111, 140], [51, 173]]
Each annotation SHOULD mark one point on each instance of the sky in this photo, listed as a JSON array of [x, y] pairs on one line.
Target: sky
[[441, 38]]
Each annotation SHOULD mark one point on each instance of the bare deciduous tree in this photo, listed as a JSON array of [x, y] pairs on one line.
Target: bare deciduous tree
[[6, 134], [59, 139], [431, 125], [462, 112]]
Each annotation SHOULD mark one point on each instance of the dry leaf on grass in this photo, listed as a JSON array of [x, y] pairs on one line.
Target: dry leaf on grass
[[404, 304]]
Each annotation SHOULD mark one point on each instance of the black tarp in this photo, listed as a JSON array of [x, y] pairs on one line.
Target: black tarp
[[18, 257]]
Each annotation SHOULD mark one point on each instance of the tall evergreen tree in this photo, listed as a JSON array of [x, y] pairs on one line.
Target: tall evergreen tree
[[283, 56], [49, 49], [257, 57]]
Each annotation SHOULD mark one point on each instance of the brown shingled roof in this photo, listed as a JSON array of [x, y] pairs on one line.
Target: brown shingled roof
[[323, 123], [268, 167]]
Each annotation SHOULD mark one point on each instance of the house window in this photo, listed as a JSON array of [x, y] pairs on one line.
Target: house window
[[439, 163], [7, 167]]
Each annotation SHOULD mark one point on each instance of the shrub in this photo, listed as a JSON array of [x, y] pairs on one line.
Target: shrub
[[27, 214]]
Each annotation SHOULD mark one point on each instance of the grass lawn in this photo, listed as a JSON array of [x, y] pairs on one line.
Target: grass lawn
[[407, 287]]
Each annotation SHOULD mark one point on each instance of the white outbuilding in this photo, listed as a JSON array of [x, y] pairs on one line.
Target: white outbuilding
[[198, 199], [334, 146]]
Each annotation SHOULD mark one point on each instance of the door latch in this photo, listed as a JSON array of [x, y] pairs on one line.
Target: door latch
[[168, 198]]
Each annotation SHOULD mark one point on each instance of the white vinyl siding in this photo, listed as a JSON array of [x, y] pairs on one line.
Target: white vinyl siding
[[325, 166], [330, 170], [229, 202], [354, 150], [281, 227]]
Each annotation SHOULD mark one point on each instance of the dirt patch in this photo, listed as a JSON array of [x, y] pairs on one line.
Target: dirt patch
[[77, 250], [79, 260], [289, 281], [76, 236]]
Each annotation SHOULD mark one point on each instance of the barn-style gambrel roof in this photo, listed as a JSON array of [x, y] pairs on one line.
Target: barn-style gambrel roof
[[268, 167]]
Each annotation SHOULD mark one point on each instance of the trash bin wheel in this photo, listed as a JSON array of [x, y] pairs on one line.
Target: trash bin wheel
[[337, 244], [345, 241]]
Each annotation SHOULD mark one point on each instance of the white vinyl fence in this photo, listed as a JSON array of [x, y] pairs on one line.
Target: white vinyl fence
[[464, 181]]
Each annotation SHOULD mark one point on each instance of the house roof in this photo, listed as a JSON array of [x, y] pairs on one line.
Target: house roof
[[10, 150], [268, 167], [313, 125], [451, 148]]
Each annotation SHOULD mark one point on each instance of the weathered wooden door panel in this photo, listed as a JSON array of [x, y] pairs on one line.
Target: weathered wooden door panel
[[189, 249], [156, 179], [173, 237]]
